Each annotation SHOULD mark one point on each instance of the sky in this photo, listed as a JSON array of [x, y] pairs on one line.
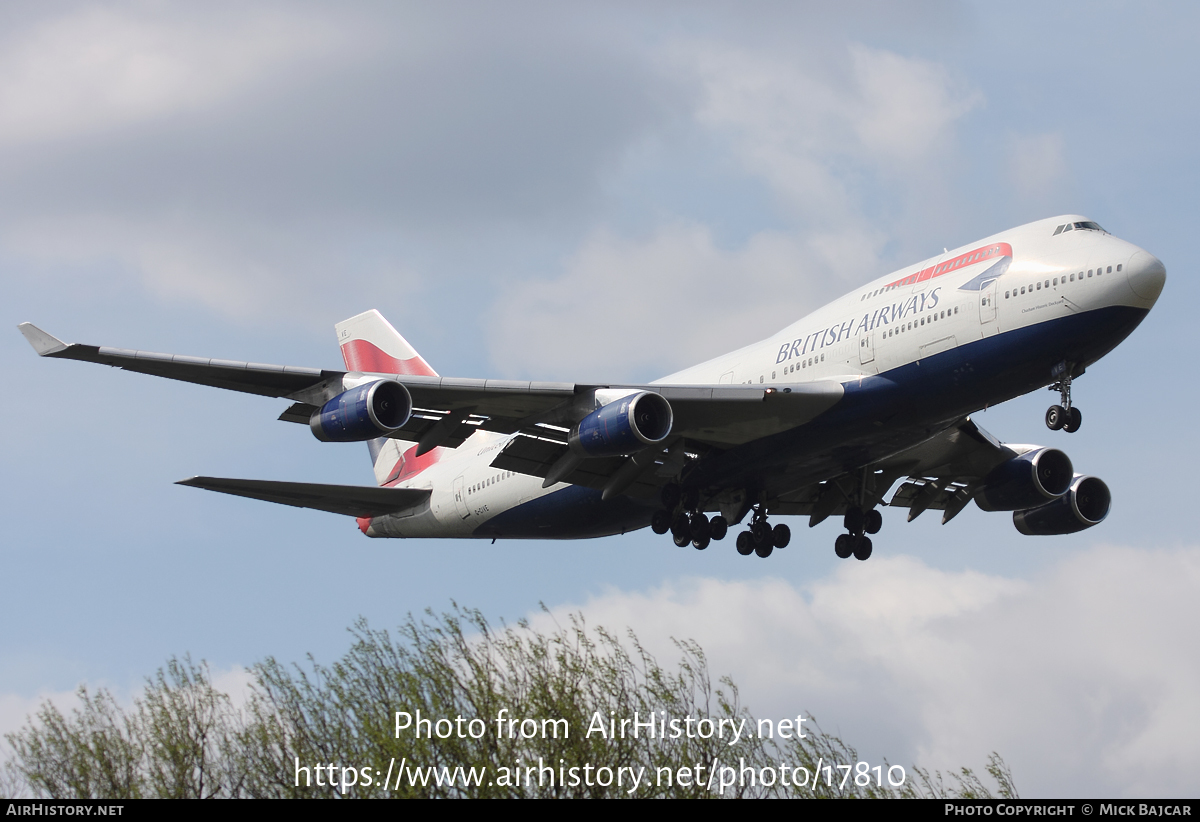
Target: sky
[[594, 193]]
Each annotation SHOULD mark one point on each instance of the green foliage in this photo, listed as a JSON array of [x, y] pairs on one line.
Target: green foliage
[[183, 738]]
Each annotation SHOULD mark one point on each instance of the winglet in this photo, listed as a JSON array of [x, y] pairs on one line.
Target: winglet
[[44, 344]]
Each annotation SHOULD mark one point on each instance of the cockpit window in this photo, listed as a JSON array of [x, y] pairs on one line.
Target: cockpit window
[[1086, 225]]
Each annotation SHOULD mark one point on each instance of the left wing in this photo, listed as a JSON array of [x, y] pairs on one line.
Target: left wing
[[943, 473]]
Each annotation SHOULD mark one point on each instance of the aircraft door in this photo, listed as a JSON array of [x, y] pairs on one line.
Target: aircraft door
[[987, 307], [866, 348], [460, 497]]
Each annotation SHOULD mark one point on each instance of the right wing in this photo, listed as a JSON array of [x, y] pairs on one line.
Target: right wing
[[447, 410]]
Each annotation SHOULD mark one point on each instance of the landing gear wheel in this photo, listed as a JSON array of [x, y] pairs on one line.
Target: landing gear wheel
[[682, 540], [761, 531], [781, 535], [660, 523], [700, 529], [680, 528], [873, 521], [764, 549], [718, 527], [854, 520], [745, 544], [862, 548], [670, 496], [844, 546], [1074, 420], [700, 543], [1056, 417]]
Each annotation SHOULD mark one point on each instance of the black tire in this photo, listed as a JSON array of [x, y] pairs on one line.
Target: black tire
[[682, 540], [660, 523], [745, 544], [853, 521], [1074, 420], [681, 527], [862, 548], [844, 546], [670, 496], [761, 531], [718, 527], [781, 536], [701, 543], [764, 549], [1056, 417], [873, 521], [701, 528]]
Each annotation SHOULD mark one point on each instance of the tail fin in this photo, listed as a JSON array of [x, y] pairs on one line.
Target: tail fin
[[369, 343]]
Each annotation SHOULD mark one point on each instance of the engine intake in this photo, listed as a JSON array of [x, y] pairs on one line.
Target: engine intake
[[626, 425], [1085, 505], [363, 413], [1027, 481]]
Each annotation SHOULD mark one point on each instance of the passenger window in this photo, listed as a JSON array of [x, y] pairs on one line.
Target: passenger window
[[1047, 283], [1109, 271], [1118, 268], [1072, 278], [1039, 286], [1089, 272]]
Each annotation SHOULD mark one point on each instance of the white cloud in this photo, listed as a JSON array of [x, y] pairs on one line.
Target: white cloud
[[96, 69], [627, 307], [811, 123], [1084, 677]]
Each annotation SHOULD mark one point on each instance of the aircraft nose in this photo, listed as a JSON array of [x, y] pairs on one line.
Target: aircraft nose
[[1147, 275]]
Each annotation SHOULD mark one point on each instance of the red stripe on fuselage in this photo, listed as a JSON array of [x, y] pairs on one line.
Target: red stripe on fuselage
[[361, 355], [994, 251]]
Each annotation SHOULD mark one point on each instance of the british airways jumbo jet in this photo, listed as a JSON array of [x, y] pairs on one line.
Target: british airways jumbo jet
[[820, 419]]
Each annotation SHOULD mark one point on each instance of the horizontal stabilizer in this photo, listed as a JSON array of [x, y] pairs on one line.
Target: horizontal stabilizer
[[351, 500]]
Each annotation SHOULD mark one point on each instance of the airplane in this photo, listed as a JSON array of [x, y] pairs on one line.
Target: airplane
[[820, 419]]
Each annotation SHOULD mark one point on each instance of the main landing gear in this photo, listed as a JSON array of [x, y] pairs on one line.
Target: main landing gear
[[761, 538], [855, 541], [686, 524], [1065, 416]]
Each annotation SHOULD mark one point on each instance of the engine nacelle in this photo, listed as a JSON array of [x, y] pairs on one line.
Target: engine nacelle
[[621, 427], [1085, 505], [371, 410], [1027, 481]]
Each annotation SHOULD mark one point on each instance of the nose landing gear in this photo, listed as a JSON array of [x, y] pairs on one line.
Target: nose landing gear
[[1065, 416]]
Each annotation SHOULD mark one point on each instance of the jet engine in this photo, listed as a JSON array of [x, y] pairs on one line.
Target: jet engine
[[623, 426], [1085, 505], [1027, 481], [371, 410]]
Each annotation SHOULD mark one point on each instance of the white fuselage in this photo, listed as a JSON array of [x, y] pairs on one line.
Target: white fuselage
[[876, 331]]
